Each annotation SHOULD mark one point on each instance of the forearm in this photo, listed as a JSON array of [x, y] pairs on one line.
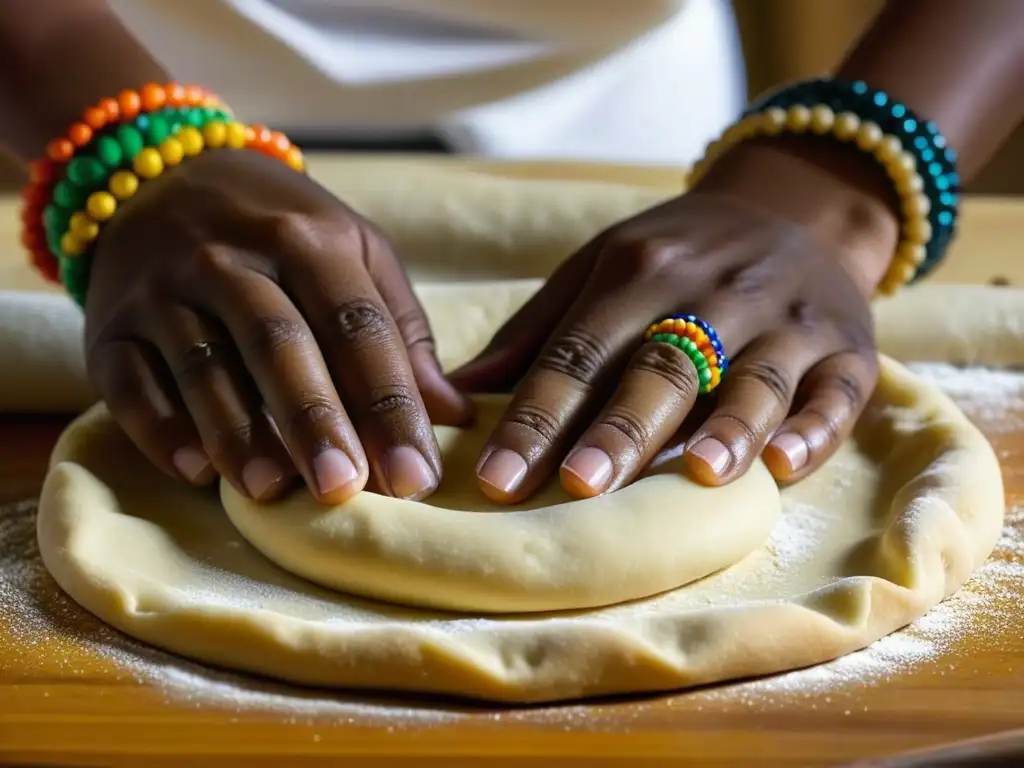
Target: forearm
[[56, 58], [958, 63]]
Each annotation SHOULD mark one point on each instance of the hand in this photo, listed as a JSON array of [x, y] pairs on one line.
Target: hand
[[234, 289], [747, 255]]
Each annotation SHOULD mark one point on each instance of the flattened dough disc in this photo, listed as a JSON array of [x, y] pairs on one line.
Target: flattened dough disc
[[458, 552]]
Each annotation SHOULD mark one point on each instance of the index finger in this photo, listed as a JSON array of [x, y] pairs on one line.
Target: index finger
[[367, 358]]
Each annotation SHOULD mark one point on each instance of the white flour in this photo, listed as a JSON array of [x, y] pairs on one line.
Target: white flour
[[993, 396], [34, 613], [986, 609]]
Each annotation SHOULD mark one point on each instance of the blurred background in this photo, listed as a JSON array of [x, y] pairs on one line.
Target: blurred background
[[788, 39], [781, 40]]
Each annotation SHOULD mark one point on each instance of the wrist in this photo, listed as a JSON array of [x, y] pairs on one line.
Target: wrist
[[833, 191]]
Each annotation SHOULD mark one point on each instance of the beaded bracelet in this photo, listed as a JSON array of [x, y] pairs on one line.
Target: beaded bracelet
[[926, 184], [149, 163], [45, 172], [936, 161], [109, 168]]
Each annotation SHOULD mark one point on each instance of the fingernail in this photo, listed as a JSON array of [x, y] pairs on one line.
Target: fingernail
[[408, 474], [793, 447], [714, 453], [504, 470], [591, 466], [191, 463], [333, 470], [260, 476]]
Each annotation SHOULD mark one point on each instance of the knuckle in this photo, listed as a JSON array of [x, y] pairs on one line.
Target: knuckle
[[728, 424], [413, 327], [644, 256], [289, 229], [193, 365], [829, 424], [771, 377], [577, 354], [669, 363], [314, 411], [801, 313], [747, 279], [229, 443], [850, 388], [536, 419], [394, 399], [267, 335], [141, 297], [860, 335], [631, 427], [213, 258], [361, 323]]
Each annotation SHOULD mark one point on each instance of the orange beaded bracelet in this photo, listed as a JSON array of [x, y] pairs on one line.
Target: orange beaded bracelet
[[275, 144], [127, 106]]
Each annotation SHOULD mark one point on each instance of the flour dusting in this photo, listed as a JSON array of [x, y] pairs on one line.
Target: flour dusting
[[35, 615], [992, 395], [988, 604]]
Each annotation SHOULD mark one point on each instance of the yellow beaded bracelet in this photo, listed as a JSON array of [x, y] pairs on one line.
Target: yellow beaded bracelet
[[887, 149], [152, 162]]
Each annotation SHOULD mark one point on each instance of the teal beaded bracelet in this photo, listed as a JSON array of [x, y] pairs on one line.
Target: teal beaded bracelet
[[935, 159]]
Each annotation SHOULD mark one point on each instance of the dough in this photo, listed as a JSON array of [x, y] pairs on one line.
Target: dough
[[893, 524], [44, 368], [460, 553], [996, 312]]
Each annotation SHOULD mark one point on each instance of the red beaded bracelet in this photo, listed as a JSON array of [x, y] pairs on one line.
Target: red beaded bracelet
[[35, 196]]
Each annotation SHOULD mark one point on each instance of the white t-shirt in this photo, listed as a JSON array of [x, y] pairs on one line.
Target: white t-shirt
[[615, 80]]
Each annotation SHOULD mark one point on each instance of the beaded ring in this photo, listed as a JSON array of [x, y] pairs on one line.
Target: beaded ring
[[907, 158], [699, 341]]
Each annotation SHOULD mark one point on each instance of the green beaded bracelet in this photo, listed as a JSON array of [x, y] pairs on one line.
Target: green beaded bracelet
[[91, 169]]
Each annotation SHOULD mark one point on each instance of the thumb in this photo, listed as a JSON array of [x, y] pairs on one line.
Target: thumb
[[445, 404], [514, 347]]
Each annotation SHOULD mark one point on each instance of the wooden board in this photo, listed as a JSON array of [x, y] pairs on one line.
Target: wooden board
[[61, 703]]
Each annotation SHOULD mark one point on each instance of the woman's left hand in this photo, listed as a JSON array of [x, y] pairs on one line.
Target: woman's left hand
[[783, 278]]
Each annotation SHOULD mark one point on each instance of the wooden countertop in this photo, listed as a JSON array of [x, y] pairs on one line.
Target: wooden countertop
[[61, 704]]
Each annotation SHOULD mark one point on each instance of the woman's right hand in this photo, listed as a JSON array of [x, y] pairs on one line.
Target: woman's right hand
[[233, 289]]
